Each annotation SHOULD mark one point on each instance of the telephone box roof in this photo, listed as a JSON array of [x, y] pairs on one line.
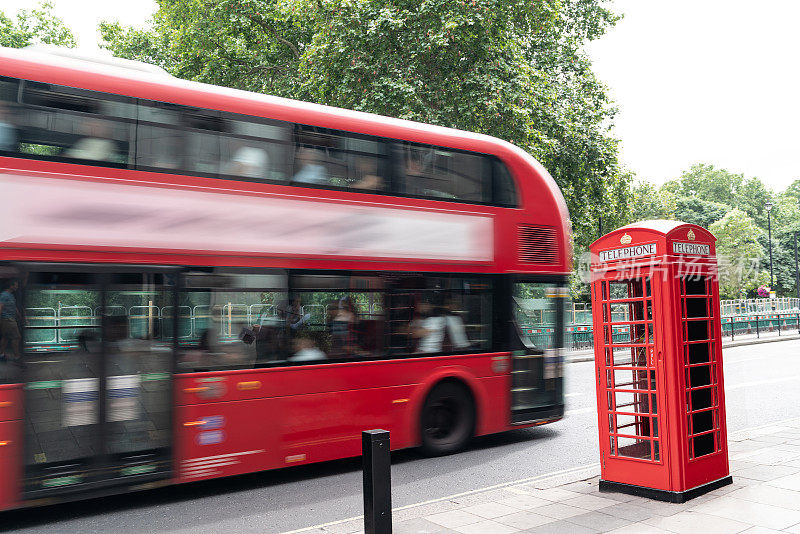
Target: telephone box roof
[[659, 227]]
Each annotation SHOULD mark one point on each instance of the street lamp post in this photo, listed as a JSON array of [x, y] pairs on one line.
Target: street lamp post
[[769, 230], [796, 267]]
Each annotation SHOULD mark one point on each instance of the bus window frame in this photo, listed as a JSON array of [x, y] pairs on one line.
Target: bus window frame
[[387, 287], [391, 178]]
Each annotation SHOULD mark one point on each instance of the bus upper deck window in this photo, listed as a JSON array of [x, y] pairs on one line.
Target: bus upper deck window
[[337, 159], [503, 191], [255, 148], [69, 124], [444, 174], [9, 138]]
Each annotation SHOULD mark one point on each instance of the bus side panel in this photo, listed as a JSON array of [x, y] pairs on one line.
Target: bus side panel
[[327, 377], [225, 438], [10, 403], [494, 412], [233, 422], [230, 438], [10, 463], [327, 426]]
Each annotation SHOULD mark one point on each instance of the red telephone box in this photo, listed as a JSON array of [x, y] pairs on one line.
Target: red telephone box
[[658, 357]]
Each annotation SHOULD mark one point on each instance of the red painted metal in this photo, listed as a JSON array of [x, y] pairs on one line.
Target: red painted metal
[[265, 420], [270, 419], [10, 403], [660, 394], [295, 414], [10, 445]]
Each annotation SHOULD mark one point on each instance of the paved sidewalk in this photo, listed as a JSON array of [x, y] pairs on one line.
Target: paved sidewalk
[[764, 497]]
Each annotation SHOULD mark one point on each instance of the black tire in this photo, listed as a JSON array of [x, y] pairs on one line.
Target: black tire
[[447, 419]]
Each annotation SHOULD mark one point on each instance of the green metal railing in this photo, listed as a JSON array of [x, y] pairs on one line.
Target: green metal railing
[[769, 324]]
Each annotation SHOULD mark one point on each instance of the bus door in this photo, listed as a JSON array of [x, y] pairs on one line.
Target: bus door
[[537, 375], [97, 349]]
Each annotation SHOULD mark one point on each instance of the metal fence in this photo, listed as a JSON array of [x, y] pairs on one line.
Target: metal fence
[[731, 308], [759, 325], [62, 326]]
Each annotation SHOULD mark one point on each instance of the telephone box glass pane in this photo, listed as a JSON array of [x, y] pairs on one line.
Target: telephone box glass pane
[[701, 394], [634, 447], [630, 372]]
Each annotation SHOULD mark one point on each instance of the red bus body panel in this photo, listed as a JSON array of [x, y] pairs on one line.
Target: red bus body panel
[[292, 415], [311, 425], [10, 444]]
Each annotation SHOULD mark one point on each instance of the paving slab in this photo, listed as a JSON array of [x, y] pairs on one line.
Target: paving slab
[[765, 497]]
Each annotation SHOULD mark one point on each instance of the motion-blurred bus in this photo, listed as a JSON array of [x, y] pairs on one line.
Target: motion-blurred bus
[[200, 282]]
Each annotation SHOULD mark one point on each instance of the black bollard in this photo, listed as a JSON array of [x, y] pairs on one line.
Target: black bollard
[[377, 482]]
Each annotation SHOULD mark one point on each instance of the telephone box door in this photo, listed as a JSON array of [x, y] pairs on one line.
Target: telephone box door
[[630, 373]]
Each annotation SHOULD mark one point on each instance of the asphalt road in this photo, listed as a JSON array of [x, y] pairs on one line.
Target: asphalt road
[[762, 386]]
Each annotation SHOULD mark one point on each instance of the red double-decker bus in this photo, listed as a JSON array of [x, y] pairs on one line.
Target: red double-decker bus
[[200, 282]]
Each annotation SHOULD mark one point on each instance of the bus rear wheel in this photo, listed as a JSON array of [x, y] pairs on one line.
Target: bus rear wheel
[[447, 419]]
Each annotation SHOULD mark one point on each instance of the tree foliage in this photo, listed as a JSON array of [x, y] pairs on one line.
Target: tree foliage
[[706, 195], [793, 190], [34, 26], [255, 45], [695, 210], [508, 68], [709, 184], [739, 251], [649, 202]]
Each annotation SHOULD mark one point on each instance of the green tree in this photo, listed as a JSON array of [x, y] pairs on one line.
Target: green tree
[[708, 183], [506, 68], [739, 253], [752, 198], [696, 211], [34, 26], [793, 190], [649, 202], [255, 45], [783, 260], [785, 222]]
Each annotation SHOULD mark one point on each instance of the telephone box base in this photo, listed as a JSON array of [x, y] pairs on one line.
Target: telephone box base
[[663, 495]]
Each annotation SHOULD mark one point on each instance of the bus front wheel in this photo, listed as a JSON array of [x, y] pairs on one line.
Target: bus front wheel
[[447, 419]]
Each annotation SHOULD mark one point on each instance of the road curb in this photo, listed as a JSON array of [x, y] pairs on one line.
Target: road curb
[[554, 479], [588, 355], [758, 341]]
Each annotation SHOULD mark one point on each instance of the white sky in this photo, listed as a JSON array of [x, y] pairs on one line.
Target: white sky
[[713, 81]]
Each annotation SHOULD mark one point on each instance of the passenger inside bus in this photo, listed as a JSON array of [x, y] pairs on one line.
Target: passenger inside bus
[[8, 133], [310, 162], [344, 329], [248, 161], [96, 143], [274, 334], [306, 349], [437, 329], [367, 177]]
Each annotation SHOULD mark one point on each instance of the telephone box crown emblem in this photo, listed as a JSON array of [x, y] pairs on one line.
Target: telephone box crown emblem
[[690, 235], [625, 239]]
